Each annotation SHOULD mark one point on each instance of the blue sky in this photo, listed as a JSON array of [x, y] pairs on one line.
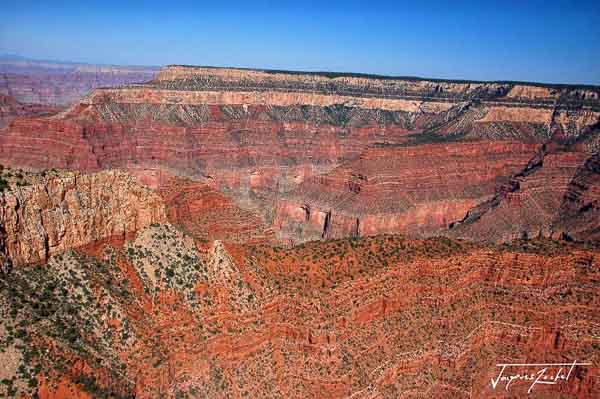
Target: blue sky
[[547, 41]]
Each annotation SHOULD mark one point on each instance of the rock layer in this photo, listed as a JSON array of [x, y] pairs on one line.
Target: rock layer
[[74, 210], [556, 195], [415, 189], [207, 214], [580, 208], [370, 317], [264, 137], [10, 108]]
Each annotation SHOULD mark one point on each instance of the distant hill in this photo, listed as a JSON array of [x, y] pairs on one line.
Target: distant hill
[[62, 82]]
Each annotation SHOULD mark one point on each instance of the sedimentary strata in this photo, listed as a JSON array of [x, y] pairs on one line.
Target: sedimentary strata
[[266, 137], [555, 195], [381, 316], [72, 210], [415, 189]]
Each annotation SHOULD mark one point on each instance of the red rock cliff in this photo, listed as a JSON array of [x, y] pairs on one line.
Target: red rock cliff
[[259, 134], [68, 212]]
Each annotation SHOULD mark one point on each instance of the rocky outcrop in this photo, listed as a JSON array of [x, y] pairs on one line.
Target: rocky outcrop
[[67, 212], [189, 77]]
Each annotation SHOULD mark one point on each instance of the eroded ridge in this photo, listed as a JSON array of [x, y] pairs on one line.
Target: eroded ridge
[[384, 316], [339, 155]]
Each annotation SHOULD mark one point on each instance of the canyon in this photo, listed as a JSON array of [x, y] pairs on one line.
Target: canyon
[[381, 316], [59, 84], [237, 233], [61, 213], [10, 108], [331, 155]]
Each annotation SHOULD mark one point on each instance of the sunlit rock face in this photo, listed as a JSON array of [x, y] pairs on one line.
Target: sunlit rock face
[[248, 247], [419, 190], [72, 210], [323, 155], [382, 315]]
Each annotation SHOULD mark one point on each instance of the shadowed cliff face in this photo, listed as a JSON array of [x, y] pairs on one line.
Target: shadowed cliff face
[[321, 156], [555, 195], [581, 204]]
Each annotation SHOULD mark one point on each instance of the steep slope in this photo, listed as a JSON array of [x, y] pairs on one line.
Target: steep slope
[[374, 317], [207, 214], [554, 196], [72, 210], [413, 189], [268, 125], [161, 312], [580, 209], [265, 137]]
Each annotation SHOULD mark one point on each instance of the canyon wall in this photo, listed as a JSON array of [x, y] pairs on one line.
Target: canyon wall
[[555, 195], [414, 189], [580, 208], [196, 297], [207, 215], [266, 137], [10, 108], [378, 316], [40, 220]]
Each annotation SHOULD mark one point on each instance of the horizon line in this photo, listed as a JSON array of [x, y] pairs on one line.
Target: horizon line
[[325, 73]]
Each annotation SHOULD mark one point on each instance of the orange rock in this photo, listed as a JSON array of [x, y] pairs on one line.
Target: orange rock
[[72, 211]]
